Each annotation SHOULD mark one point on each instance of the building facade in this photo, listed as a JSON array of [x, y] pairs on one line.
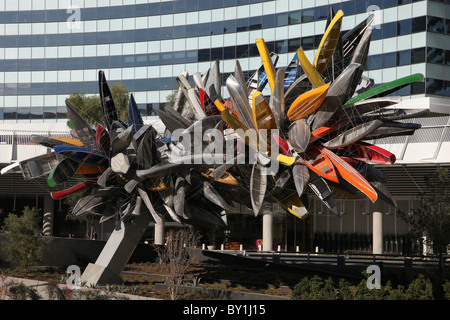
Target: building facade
[[50, 49]]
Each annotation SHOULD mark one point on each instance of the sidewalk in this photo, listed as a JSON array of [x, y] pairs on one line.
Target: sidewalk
[[42, 290]]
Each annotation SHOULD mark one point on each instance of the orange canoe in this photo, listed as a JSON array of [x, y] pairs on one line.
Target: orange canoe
[[317, 161], [352, 176], [324, 130]]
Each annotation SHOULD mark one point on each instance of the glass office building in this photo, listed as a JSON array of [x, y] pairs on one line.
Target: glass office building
[[50, 49]]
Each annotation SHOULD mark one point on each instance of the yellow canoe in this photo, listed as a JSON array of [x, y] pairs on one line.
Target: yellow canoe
[[262, 113], [313, 75], [267, 62], [307, 102], [328, 43]]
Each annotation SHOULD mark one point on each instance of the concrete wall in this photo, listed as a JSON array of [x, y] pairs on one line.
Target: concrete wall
[[62, 252]]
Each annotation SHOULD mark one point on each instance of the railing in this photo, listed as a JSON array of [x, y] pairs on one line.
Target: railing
[[23, 137], [338, 259]]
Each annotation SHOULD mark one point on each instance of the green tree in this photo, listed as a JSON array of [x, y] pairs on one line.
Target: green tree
[[25, 245], [89, 107], [432, 217]]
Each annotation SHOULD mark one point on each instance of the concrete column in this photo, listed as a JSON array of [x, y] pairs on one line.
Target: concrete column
[[47, 225], [267, 226], [377, 232], [159, 233]]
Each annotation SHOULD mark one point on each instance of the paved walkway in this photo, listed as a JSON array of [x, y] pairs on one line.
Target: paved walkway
[[42, 289]]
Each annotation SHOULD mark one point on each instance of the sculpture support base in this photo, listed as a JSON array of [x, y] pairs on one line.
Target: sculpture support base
[[116, 253], [99, 275]]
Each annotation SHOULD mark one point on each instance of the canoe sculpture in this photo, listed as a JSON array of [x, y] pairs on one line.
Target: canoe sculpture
[[312, 134]]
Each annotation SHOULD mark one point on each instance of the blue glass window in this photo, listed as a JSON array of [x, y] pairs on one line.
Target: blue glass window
[[114, 62], [348, 7], [90, 13], [204, 4], [141, 35], [404, 57], [38, 16], [191, 56], [10, 89], [77, 39], [242, 51], [9, 113], [361, 6], [204, 55], [216, 54], [308, 43], [229, 26], [282, 19], [436, 24], [128, 12], [192, 30], [295, 17], [23, 88], [128, 61], [141, 60], [389, 29], [51, 88], [389, 60], [435, 86], [281, 46], [153, 59], [166, 57], [294, 44], [37, 64], [419, 24], [23, 113], [49, 112], [103, 62], [417, 55], [393, 3], [90, 38], [403, 27], [38, 113], [24, 16], [242, 25], [307, 15], [37, 88], [255, 23], [178, 57], [435, 55], [374, 62], [192, 5], [321, 13], [179, 6], [103, 13], [24, 41], [229, 52]]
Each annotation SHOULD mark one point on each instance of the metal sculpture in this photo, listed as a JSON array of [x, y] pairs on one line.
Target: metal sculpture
[[314, 126]]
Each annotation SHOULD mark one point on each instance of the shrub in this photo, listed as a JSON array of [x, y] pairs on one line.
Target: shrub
[[446, 287], [25, 246], [420, 289], [315, 288]]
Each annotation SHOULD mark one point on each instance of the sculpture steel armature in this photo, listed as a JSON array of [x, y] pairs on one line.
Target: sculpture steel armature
[[308, 137]]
